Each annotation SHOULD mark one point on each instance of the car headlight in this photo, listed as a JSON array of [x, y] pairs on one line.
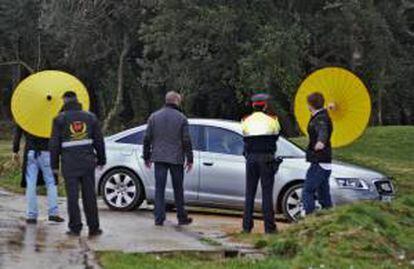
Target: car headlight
[[352, 183]]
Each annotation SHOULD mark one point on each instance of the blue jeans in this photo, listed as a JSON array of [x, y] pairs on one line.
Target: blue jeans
[[34, 164], [316, 183]]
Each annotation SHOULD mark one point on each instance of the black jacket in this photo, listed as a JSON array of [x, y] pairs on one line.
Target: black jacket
[[167, 137], [319, 129], [265, 144], [76, 139], [31, 143]]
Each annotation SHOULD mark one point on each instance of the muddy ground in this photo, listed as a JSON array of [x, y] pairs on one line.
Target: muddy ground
[[46, 245]]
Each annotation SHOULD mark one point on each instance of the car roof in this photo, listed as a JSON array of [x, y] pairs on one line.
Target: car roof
[[227, 124]]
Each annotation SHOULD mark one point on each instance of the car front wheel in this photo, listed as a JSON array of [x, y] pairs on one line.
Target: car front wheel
[[122, 190], [292, 205]]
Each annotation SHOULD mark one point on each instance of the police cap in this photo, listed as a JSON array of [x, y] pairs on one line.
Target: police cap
[[260, 99]]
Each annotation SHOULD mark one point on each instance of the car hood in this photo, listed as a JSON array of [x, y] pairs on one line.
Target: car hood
[[341, 169]]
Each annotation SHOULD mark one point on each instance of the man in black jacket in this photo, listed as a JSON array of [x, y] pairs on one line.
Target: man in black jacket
[[36, 171], [319, 154], [167, 143], [78, 140]]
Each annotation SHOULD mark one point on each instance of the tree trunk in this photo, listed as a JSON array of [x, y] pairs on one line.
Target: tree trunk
[[379, 107], [381, 86], [39, 53], [116, 108]]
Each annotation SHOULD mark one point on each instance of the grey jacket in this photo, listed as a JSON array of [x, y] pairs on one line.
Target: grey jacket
[[167, 138]]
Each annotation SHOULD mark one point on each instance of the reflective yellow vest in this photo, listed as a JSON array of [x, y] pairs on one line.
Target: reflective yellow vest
[[259, 124]]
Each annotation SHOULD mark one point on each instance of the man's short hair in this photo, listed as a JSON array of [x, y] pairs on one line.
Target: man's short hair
[[316, 100], [69, 94], [172, 97]]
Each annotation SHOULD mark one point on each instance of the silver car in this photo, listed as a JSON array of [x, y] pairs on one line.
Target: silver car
[[218, 175]]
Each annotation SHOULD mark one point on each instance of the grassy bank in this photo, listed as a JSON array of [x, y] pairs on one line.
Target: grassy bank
[[363, 235]]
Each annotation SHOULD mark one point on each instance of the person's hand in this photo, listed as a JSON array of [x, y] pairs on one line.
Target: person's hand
[[56, 174], [16, 157], [332, 106], [99, 167], [148, 164], [188, 167], [319, 146]]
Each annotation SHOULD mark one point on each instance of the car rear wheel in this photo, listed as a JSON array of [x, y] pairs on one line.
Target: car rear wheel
[[122, 190]]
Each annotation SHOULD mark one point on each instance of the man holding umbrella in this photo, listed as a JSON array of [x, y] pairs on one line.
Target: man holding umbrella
[[36, 171]]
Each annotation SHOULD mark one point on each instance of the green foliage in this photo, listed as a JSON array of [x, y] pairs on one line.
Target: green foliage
[[216, 52]]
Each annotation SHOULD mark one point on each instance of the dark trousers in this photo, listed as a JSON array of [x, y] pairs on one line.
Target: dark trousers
[[177, 176], [316, 183], [87, 184], [259, 168]]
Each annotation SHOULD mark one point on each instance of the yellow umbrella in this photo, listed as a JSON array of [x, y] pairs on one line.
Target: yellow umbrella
[[38, 99], [348, 100]]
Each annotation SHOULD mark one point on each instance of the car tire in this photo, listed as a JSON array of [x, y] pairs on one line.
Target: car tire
[[292, 206], [122, 190]]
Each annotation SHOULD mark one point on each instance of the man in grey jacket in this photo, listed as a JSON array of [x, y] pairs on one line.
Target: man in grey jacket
[[167, 143]]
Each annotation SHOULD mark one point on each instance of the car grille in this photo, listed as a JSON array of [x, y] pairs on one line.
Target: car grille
[[384, 187]]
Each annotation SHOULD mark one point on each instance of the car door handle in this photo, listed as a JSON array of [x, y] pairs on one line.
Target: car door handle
[[208, 164]]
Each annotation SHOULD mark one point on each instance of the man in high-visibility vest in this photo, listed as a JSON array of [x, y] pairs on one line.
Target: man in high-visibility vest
[[261, 132]]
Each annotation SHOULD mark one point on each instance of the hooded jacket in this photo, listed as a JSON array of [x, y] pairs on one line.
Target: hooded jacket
[[77, 140]]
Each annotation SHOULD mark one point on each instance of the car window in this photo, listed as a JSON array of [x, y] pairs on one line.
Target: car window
[[219, 140], [287, 149], [135, 138], [195, 133]]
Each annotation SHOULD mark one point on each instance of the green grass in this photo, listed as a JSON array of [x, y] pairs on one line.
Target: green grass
[[118, 260], [363, 235], [5, 148]]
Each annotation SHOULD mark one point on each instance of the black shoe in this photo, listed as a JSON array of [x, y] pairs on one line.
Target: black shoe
[[271, 232], [73, 233], [187, 221], [56, 219], [31, 221], [95, 233], [246, 231], [159, 223]]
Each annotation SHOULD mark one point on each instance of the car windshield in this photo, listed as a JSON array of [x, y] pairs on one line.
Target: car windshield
[[288, 149]]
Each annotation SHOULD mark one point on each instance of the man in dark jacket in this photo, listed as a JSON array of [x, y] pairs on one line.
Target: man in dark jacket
[[319, 154], [36, 168], [167, 143], [77, 139]]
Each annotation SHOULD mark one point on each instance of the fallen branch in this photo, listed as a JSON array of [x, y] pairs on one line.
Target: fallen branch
[[22, 63]]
